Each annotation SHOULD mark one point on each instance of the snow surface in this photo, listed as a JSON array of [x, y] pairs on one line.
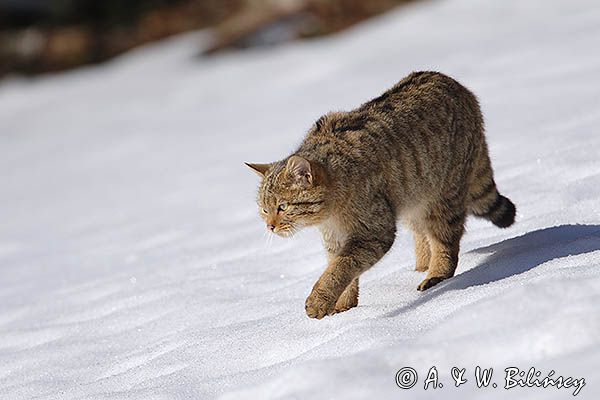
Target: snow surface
[[133, 263]]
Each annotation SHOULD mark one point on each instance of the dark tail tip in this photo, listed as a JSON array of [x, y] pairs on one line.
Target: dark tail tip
[[504, 216]]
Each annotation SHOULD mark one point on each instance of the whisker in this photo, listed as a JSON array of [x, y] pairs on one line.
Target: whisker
[[266, 237], [270, 239]]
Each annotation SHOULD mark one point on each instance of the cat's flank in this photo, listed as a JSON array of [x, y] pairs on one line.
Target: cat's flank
[[416, 153]]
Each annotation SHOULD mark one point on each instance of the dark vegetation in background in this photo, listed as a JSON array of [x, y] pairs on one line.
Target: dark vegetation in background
[[48, 35]]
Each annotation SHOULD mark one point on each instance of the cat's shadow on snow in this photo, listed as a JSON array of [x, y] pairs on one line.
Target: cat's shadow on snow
[[517, 255]]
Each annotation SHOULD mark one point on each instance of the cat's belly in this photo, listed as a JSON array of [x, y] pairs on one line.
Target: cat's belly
[[412, 215]]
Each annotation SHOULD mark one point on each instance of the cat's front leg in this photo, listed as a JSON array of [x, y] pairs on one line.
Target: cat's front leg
[[348, 299], [330, 286], [357, 256]]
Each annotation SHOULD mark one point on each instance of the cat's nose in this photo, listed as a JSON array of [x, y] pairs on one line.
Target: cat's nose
[[271, 227]]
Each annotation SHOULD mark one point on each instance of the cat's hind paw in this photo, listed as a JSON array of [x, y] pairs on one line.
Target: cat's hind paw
[[429, 282]]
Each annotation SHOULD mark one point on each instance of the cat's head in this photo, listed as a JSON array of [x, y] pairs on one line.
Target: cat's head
[[292, 194]]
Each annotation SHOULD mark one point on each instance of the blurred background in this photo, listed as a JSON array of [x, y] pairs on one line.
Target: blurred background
[[38, 36]]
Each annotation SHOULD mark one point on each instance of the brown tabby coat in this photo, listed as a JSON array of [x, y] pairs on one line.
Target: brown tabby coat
[[416, 152]]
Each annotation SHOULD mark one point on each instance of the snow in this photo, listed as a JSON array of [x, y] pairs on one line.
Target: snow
[[133, 263]]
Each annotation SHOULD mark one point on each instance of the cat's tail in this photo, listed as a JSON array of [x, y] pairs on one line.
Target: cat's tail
[[483, 197], [496, 208]]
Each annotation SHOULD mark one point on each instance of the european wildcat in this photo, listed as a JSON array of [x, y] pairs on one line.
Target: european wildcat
[[416, 152]]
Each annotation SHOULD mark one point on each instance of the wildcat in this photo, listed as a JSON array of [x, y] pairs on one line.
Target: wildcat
[[416, 153]]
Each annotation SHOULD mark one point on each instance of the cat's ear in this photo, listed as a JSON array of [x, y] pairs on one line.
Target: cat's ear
[[299, 169], [260, 169]]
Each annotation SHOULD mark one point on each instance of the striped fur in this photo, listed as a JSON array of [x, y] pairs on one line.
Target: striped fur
[[417, 153]]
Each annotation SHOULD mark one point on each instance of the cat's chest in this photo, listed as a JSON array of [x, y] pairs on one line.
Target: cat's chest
[[333, 234]]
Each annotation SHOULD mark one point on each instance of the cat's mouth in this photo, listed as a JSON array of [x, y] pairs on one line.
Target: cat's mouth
[[285, 231]]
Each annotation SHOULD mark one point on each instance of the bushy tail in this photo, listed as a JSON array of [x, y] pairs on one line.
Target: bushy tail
[[498, 209], [484, 199]]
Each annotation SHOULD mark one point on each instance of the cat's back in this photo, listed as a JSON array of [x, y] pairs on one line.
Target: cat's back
[[425, 97], [419, 85], [423, 114]]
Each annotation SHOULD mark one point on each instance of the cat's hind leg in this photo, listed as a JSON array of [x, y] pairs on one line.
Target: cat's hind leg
[[445, 227], [422, 251]]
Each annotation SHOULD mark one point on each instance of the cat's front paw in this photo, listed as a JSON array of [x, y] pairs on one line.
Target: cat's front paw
[[342, 306], [348, 299], [317, 306]]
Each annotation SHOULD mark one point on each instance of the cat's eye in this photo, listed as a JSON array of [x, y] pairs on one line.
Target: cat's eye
[[282, 207], [264, 210]]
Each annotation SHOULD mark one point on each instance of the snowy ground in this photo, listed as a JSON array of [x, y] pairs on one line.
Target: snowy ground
[[133, 263]]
